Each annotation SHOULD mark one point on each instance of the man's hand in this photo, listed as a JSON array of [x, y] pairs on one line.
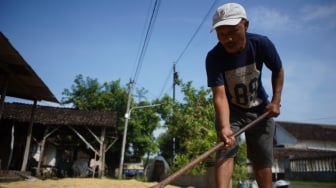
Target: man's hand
[[227, 138], [277, 83], [274, 109]]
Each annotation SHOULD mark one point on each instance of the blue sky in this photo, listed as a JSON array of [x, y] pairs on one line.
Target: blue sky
[[101, 39]]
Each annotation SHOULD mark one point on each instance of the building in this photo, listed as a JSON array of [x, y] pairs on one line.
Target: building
[[305, 151]]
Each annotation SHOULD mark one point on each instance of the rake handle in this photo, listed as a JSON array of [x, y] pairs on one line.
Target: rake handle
[[206, 154]]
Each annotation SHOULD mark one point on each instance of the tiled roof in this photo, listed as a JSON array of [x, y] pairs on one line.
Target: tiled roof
[[305, 131], [301, 153]]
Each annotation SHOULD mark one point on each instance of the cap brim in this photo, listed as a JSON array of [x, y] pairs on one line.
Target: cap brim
[[234, 21]]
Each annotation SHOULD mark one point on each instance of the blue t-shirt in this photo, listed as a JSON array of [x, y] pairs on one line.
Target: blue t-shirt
[[241, 73]]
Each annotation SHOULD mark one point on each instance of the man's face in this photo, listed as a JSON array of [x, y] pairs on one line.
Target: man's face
[[232, 37]]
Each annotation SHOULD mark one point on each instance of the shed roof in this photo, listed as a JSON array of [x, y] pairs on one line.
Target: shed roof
[[300, 153], [306, 131], [45, 115], [22, 81]]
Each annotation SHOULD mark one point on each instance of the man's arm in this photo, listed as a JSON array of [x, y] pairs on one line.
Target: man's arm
[[277, 85], [223, 114]]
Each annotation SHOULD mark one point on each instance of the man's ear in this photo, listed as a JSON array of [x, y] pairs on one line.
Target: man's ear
[[246, 25]]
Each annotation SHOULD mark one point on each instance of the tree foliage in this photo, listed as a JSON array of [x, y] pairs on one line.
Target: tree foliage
[[89, 94], [190, 124], [240, 170], [142, 124]]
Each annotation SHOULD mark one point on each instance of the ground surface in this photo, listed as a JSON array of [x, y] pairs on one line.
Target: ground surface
[[79, 183], [102, 183]]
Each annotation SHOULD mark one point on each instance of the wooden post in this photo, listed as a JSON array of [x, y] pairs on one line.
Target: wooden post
[[101, 169], [29, 135], [11, 147], [42, 147], [3, 95]]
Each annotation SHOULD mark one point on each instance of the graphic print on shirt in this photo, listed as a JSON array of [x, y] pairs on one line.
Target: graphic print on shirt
[[242, 84]]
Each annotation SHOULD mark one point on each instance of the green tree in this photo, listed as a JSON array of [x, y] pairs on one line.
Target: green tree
[[89, 94], [240, 170], [190, 124], [142, 124]]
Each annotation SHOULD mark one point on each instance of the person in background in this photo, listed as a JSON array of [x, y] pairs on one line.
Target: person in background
[[234, 67]]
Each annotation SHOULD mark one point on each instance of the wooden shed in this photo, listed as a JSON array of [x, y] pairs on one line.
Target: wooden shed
[[22, 124], [64, 128]]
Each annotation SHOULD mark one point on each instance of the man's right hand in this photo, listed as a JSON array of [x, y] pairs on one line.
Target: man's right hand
[[227, 138]]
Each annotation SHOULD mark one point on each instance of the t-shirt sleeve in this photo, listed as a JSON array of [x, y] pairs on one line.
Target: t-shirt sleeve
[[271, 57], [214, 73]]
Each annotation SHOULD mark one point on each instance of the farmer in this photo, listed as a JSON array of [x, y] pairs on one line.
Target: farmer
[[234, 69]]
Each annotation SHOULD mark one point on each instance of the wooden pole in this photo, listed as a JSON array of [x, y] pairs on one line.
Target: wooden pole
[[11, 147], [3, 95], [42, 147], [85, 141], [196, 161], [29, 136], [102, 153]]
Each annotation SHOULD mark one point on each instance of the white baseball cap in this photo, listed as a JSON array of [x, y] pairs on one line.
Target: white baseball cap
[[228, 14]]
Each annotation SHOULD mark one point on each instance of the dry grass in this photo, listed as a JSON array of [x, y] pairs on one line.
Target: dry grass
[[80, 183]]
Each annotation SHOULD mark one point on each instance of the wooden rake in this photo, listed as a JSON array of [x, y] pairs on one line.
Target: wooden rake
[[206, 154]]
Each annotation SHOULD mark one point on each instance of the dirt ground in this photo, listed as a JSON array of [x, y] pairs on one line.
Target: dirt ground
[[79, 183]]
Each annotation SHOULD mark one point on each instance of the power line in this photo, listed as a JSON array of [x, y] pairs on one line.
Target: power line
[[147, 38], [145, 28], [188, 44], [166, 82], [195, 33]]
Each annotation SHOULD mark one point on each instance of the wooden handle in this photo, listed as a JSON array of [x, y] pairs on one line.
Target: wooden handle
[[193, 163]]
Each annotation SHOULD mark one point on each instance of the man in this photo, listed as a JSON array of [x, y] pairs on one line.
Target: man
[[234, 69]]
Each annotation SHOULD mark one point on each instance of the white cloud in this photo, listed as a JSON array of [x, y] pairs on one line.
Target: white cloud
[[317, 16], [318, 12], [308, 17], [268, 18]]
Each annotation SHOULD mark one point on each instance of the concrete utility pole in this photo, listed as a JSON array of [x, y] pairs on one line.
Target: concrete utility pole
[[175, 79], [130, 87], [127, 117]]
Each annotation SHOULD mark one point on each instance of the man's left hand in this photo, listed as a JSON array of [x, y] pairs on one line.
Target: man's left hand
[[274, 109]]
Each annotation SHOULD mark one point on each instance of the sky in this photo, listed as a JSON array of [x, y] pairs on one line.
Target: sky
[[102, 39]]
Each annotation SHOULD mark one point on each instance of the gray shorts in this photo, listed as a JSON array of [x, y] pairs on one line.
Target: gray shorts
[[259, 138]]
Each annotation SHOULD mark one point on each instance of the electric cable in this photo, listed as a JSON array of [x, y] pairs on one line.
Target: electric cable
[[188, 44], [166, 82], [195, 33], [147, 39]]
